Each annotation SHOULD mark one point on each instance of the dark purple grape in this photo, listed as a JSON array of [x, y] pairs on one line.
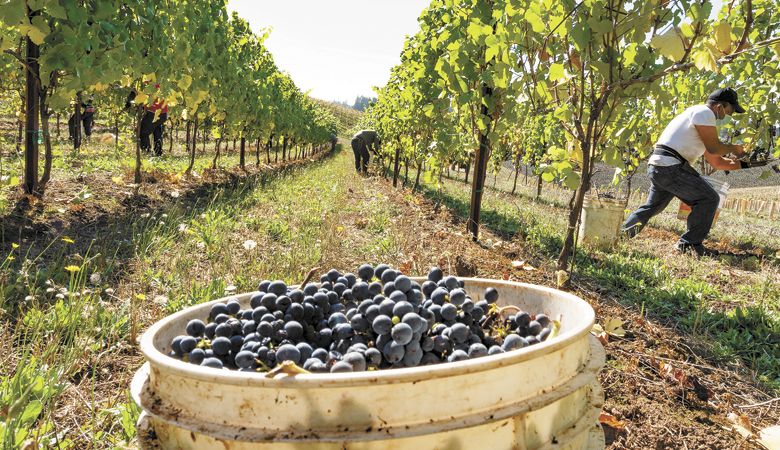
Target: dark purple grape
[[373, 357], [217, 309], [457, 296], [333, 275], [341, 367], [382, 325], [374, 288], [212, 362], [403, 283], [402, 308], [187, 344], [393, 352], [197, 356], [176, 345], [221, 346], [491, 295], [277, 287], [221, 318], [439, 296], [459, 333], [534, 328], [233, 306], [513, 342], [435, 274], [441, 344], [223, 330], [320, 353], [386, 307], [366, 272], [263, 285], [449, 312], [388, 276], [477, 351], [294, 330], [356, 360], [401, 333], [380, 269], [210, 330], [310, 289], [451, 282], [196, 328], [288, 352], [245, 360], [545, 333], [458, 355], [388, 288]]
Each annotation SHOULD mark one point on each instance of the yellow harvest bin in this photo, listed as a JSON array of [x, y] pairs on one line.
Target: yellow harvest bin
[[543, 396]]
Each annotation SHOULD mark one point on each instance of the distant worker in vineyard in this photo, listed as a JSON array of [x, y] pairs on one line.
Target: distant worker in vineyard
[[363, 142], [87, 120], [151, 123], [688, 136]]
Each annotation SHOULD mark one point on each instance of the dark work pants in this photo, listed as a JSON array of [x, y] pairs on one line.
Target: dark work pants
[[149, 126], [87, 119], [677, 181], [361, 155]]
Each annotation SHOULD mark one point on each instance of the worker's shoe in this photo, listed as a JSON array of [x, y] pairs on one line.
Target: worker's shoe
[[631, 231], [698, 250]]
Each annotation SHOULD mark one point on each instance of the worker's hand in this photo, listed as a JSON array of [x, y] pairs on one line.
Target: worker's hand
[[739, 150]]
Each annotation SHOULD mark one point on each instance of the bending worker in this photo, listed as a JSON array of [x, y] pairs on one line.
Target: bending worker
[[362, 142], [687, 137]]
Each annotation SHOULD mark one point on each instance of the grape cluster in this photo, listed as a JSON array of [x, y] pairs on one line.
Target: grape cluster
[[377, 319]]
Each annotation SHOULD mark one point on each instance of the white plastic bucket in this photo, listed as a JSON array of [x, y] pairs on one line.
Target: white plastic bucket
[[600, 221], [721, 187], [543, 396]]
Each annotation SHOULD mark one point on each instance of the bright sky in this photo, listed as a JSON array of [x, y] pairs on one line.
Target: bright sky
[[338, 49]]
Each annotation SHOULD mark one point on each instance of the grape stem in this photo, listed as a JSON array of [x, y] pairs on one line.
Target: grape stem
[[309, 276]]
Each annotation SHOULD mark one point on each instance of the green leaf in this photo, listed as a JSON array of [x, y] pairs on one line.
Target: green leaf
[[557, 72], [670, 44], [31, 412], [548, 177], [536, 22], [600, 26], [572, 180], [765, 174], [54, 9]]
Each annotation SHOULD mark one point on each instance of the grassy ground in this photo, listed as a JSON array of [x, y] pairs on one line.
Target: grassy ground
[[87, 274]]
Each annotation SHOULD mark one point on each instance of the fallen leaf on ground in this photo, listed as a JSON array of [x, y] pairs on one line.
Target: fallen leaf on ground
[[741, 424], [612, 421], [614, 327]]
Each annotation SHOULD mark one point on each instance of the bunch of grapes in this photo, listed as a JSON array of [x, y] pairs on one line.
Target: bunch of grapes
[[377, 319]]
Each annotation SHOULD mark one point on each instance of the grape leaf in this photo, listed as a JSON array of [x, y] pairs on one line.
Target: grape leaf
[[670, 44]]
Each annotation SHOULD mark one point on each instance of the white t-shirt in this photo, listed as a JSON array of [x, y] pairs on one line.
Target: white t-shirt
[[682, 136]]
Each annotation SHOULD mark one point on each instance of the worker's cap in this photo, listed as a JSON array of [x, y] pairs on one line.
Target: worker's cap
[[727, 95]]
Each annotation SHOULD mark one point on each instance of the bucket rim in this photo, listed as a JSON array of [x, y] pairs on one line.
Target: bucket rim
[[581, 313]]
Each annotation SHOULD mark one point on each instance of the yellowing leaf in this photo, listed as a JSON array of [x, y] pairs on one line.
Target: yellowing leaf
[[722, 33], [670, 44], [117, 180], [561, 277], [185, 82], [704, 60], [141, 98], [614, 327]]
